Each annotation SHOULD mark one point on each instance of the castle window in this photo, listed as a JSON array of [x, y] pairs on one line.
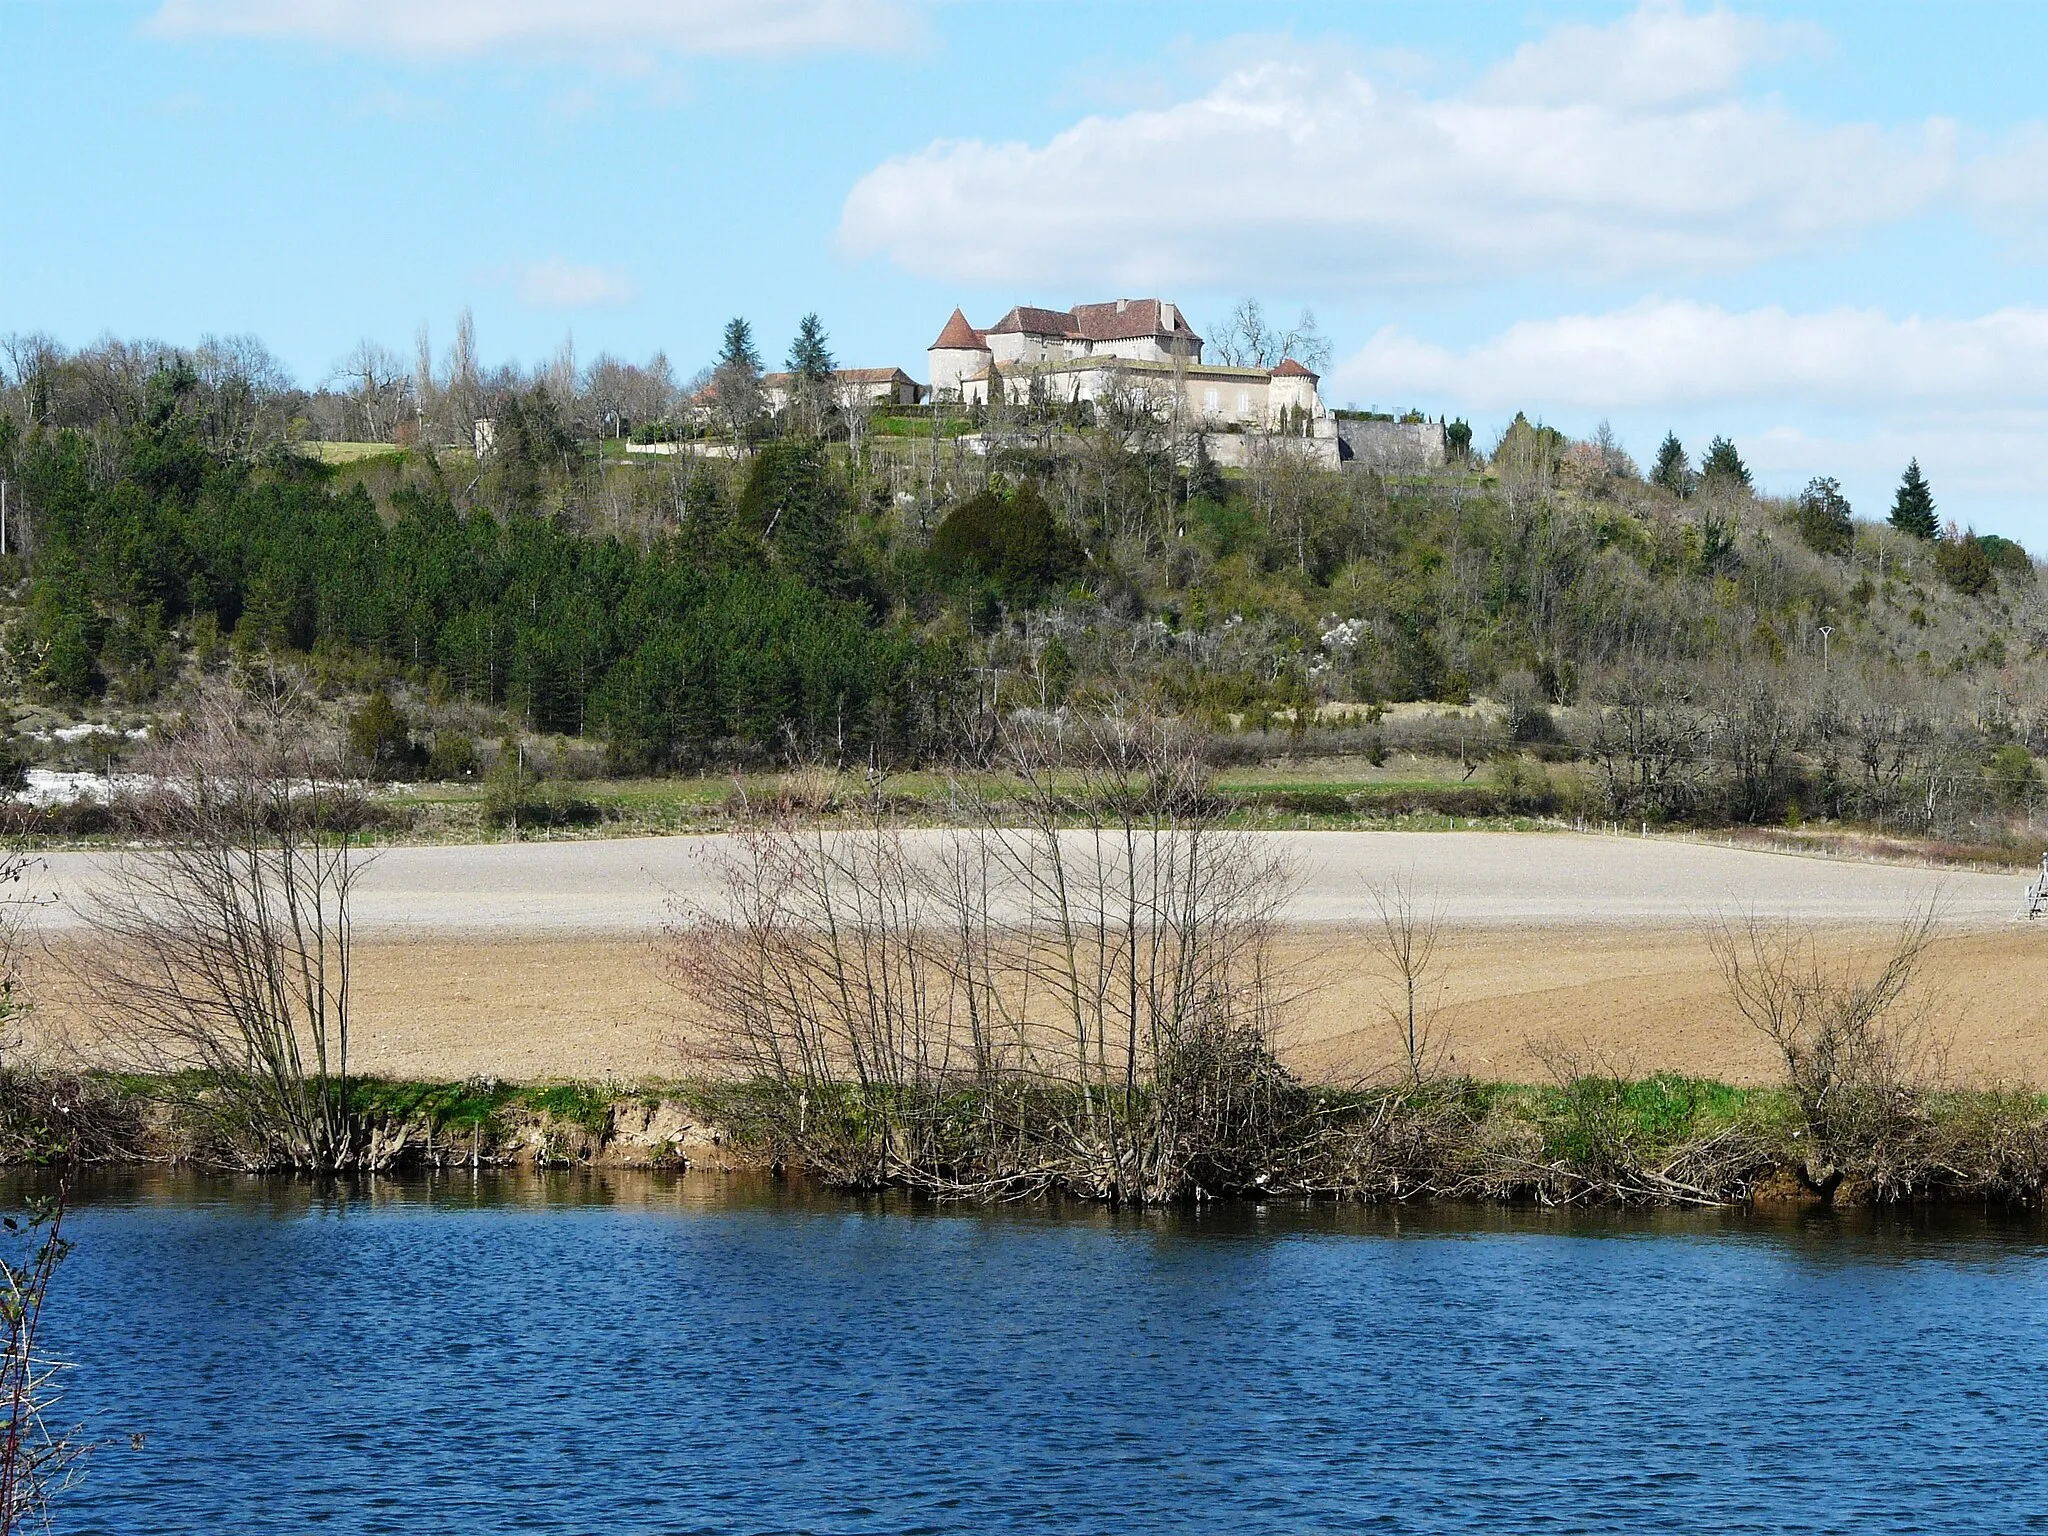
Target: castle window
[[1209, 402], [1244, 403]]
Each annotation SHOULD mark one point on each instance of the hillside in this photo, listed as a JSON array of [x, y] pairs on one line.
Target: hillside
[[1601, 643]]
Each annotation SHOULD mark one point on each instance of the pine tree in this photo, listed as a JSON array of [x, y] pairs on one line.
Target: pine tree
[[1913, 507], [809, 358], [1673, 472], [1723, 465]]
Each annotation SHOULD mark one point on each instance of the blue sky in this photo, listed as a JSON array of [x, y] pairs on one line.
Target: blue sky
[[1821, 229]]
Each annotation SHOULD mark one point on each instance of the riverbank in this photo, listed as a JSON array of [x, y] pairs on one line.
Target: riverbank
[[1598, 1139]]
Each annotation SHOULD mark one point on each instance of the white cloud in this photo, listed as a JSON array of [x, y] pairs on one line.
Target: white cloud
[[1657, 57], [1594, 152], [1851, 393], [1679, 354], [2008, 190], [623, 32], [557, 284]]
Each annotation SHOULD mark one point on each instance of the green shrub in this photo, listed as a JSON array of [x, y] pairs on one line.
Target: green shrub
[[453, 756], [1822, 517], [1964, 564], [2013, 775], [381, 737], [1016, 545], [2007, 556]]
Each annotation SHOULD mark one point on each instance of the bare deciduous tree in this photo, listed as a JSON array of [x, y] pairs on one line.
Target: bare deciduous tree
[[37, 1462], [15, 905], [1858, 1049], [1249, 340], [225, 946], [1403, 940], [1073, 991], [378, 389]]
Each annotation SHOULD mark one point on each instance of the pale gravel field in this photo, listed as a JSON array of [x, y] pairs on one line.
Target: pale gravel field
[[546, 960], [1477, 879]]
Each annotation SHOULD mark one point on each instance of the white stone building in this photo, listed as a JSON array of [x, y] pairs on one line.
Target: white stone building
[[1141, 349], [850, 387]]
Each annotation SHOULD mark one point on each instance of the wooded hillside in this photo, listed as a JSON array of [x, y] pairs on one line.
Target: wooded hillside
[[834, 592]]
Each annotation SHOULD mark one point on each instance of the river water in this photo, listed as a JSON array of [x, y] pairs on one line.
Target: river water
[[641, 1353]]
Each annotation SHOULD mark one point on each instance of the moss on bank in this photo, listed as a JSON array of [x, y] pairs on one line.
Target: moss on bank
[[1656, 1140]]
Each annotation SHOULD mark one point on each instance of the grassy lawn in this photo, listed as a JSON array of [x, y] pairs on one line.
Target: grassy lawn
[[350, 453]]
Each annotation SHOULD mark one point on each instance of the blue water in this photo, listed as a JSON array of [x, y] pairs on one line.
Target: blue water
[[650, 1354]]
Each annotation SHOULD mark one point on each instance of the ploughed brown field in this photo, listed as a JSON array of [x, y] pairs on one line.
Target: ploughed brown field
[[546, 961], [1641, 1000]]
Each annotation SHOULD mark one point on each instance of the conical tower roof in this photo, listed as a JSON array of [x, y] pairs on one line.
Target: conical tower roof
[[959, 336]]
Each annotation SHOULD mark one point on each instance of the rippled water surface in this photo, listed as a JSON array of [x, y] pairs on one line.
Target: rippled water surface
[[642, 1354]]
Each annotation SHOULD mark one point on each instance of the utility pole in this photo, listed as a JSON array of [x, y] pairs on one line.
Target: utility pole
[[3, 517], [1825, 631]]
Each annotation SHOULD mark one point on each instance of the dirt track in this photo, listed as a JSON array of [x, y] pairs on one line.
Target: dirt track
[[620, 886], [542, 960]]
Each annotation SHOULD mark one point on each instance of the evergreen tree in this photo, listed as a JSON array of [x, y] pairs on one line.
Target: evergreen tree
[[736, 384], [1964, 563], [1205, 481], [809, 358], [792, 504], [2007, 555], [1673, 471], [1015, 545], [380, 736], [1823, 517], [1913, 507], [1723, 465], [738, 351], [810, 368]]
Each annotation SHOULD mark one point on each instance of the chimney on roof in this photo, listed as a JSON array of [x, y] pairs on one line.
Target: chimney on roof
[[1166, 320], [1122, 305]]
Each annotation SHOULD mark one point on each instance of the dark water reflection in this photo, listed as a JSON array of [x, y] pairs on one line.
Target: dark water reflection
[[640, 1353]]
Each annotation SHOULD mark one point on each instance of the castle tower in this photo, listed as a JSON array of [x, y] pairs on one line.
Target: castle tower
[[959, 353]]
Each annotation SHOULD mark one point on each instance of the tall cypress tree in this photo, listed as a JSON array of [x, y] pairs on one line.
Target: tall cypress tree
[[1913, 507], [1672, 472]]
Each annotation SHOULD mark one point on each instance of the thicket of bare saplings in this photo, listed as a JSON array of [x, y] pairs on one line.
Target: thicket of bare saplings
[[221, 953], [1073, 993], [1077, 994]]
